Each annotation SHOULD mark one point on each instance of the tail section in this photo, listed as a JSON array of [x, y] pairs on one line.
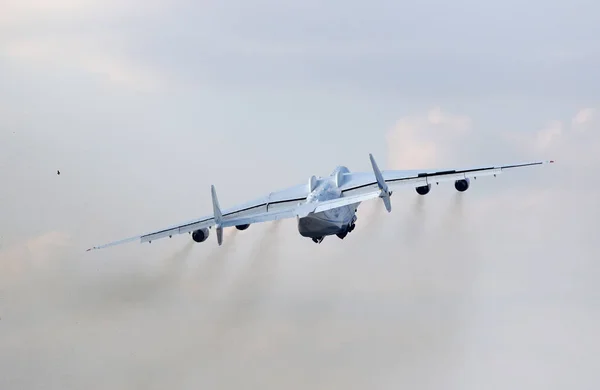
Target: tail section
[[217, 215]]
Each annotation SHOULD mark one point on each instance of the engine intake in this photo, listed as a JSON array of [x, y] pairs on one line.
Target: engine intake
[[200, 235], [462, 185], [242, 227], [423, 190]]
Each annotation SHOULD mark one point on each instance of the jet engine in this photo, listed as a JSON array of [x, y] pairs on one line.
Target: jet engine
[[423, 190], [200, 235], [242, 227], [462, 185]]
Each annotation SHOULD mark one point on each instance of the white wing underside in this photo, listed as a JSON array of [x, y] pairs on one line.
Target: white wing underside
[[291, 202]]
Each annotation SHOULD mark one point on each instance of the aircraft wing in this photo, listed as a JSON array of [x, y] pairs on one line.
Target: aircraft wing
[[291, 202], [361, 186], [276, 205]]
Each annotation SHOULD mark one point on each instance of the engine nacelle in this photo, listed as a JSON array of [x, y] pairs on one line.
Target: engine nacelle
[[462, 185], [242, 227], [423, 190], [200, 235]]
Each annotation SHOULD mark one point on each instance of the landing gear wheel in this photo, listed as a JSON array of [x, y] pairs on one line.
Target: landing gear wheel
[[318, 240], [342, 235]]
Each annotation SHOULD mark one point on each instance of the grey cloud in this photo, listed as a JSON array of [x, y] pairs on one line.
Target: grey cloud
[[464, 50]]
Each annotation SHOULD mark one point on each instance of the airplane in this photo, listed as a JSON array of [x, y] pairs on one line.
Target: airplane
[[323, 206]]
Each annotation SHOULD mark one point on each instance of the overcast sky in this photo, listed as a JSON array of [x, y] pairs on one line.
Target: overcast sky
[[142, 105]]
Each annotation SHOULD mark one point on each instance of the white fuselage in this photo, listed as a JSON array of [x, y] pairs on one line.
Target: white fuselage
[[335, 221]]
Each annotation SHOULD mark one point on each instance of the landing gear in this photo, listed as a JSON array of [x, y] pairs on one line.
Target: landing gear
[[349, 228], [341, 234]]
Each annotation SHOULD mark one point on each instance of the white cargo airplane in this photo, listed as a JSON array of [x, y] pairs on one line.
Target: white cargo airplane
[[324, 206]]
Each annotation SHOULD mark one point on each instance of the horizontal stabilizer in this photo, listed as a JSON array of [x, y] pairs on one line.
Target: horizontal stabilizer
[[385, 192], [217, 215]]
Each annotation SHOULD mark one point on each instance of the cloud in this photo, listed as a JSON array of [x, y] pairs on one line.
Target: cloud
[[17, 12], [549, 135], [34, 254], [571, 142], [424, 141], [50, 34], [558, 134], [78, 54], [433, 286], [23, 14], [585, 115], [269, 43]]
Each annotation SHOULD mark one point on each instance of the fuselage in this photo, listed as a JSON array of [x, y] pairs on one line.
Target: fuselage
[[339, 221]]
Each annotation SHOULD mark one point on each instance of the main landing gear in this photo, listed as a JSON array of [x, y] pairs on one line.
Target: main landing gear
[[343, 235]]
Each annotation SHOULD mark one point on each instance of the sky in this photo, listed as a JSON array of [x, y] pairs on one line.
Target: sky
[[142, 105]]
